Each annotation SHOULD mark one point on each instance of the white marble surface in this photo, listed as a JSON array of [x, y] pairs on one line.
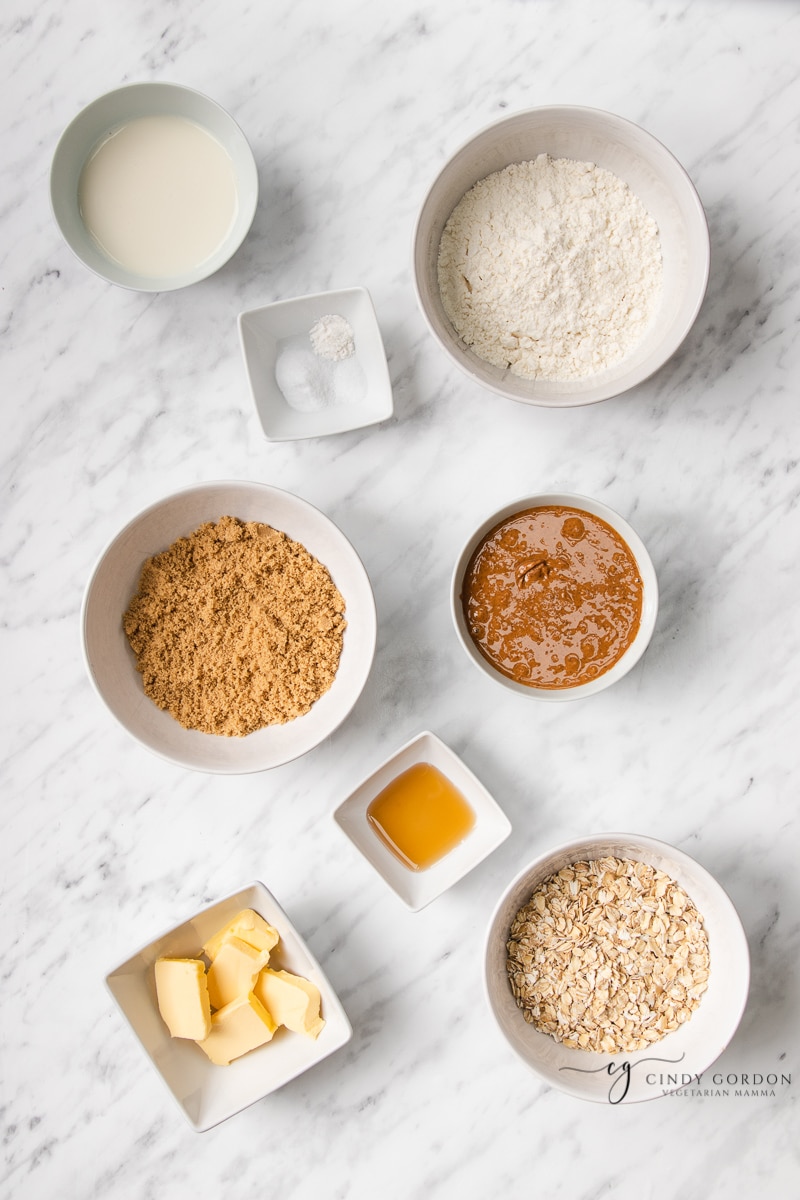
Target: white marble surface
[[112, 399]]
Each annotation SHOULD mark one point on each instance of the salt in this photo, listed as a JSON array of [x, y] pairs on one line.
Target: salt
[[300, 375]]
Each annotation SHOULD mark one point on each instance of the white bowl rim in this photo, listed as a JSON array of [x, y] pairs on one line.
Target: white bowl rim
[[655, 845], [328, 294], [632, 655], [206, 486], [147, 283], [612, 390]]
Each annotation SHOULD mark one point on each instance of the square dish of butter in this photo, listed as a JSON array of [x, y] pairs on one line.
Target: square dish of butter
[[238, 978]]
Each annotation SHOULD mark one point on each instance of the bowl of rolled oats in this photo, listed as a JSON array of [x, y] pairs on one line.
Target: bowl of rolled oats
[[617, 968]]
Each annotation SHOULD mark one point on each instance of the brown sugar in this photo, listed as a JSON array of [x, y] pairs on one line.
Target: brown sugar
[[235, 627]]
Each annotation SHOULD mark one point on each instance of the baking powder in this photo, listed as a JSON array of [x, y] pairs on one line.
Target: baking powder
[[332, 337]]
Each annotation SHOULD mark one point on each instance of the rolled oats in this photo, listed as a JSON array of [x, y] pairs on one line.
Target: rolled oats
[[608, 955]]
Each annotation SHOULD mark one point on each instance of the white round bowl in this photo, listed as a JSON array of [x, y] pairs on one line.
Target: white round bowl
[[679, 1058], [112, 664], [94, 123], [652, 173], [649, 596]]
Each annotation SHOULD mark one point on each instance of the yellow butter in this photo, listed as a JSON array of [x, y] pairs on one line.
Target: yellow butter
[[234, 970], [236, 1029], [249, 927], [182, 993], [290, 1000]]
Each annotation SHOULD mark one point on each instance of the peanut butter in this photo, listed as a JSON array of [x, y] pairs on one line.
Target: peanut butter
[[552, 597]]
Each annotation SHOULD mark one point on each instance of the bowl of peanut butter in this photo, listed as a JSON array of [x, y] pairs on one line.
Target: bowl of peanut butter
[[554, 596]]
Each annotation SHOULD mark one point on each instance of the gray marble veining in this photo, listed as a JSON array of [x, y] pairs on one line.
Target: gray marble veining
[[112, 399]]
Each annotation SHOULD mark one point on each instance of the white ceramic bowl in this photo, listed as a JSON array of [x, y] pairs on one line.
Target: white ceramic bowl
[[206, 1093], [418, 888], [649, 596], [678, 1058], [263, 333], [112, 665], [653, 174], [95, 122]]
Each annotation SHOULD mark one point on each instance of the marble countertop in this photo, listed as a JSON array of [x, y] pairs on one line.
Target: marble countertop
[[112, 399]]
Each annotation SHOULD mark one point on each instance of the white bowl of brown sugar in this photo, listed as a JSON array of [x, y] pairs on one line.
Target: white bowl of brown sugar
[[617, 968], [230, 627], [554, 596], [561, 256]]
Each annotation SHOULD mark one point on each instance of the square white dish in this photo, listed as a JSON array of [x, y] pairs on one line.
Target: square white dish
[[265, 332], [206, 1093], [418, 888]]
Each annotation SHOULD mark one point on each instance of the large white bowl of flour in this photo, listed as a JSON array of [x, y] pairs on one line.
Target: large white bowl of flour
[[561, 256]]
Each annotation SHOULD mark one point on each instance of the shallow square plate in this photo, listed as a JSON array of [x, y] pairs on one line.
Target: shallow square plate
[[264, 333], [418, 888], [208, 1093]]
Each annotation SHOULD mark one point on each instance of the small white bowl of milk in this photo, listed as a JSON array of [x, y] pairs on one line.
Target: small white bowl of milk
[[153, 186]]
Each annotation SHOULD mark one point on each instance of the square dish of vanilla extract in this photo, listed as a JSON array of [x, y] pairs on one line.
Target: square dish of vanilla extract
[[422, 820], [207, 1092]]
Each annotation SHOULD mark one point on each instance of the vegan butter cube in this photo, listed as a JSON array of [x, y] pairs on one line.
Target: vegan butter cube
[[236, 1029], [290, 1000], [249, 927], [234, 970], [182, 992]]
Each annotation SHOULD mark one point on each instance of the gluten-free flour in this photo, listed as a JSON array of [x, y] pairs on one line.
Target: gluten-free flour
[[550, 268]]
